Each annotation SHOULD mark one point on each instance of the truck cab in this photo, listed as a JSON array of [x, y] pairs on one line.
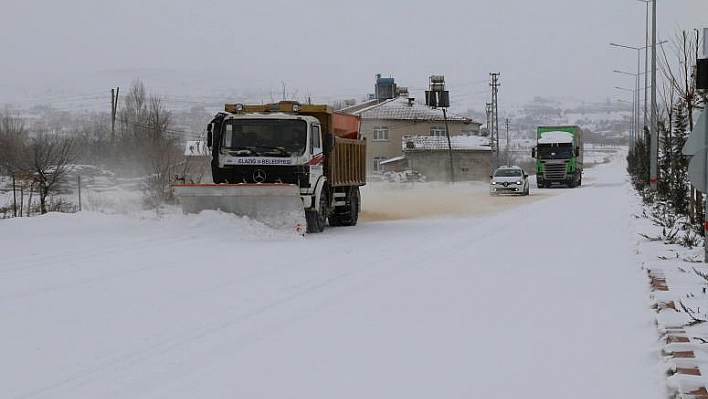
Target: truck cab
[[559, 156], [266, 148]]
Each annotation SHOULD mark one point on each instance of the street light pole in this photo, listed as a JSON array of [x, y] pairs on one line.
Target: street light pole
[[630, 103], [636, 116], [653, 178], [646, 61], [508, 160], [653, 136], [633, 119], [637, 103]]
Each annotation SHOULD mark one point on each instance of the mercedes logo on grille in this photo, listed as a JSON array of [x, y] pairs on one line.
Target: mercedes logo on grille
[[259, 175]]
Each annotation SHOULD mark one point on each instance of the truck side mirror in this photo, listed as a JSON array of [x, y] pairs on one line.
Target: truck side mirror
[[533, 152], [209, 135], [328, 144], [702, 71]]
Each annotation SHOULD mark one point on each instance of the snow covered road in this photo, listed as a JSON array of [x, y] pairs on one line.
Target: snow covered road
[[537, 297]]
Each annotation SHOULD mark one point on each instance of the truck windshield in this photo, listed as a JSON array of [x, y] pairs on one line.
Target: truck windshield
[[555, 151], [265, 137]]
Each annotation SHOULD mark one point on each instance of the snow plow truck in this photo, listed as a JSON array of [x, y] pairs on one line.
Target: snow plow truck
[[287, 165]]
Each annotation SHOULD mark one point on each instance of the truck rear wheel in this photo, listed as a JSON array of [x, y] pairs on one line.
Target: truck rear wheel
[[347, 214], [350, 214]]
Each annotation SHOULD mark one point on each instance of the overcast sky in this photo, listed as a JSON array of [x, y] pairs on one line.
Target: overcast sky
[[330, 49]]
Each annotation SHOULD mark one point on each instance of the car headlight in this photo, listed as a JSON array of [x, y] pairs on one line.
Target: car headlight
[[494, 183], [518, 183]]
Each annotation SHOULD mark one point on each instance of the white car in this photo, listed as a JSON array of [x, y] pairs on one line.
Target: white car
[[509, 180]]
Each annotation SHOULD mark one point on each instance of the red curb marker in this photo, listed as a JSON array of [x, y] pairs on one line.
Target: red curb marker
[[657, 280], [676, 339], [659, 284], [683, 355], [688, 370], [700, 393], [664, 305]]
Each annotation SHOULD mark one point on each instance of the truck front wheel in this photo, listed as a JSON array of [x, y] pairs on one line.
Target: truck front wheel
[[317, 219]]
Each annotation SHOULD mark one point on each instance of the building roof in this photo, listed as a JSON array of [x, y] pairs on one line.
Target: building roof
[[392, 160], [402, 108], [417, 143]]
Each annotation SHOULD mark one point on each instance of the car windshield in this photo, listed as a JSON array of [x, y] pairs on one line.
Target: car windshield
[[510, 172]]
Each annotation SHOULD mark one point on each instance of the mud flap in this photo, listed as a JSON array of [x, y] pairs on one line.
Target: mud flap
[[276, 205]]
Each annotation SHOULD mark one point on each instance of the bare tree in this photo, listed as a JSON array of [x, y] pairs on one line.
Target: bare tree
[[682, 83], [148, 141], [133, 128], [681, 79], [95, 134], [49, 158], [162, 153], [12, 138]]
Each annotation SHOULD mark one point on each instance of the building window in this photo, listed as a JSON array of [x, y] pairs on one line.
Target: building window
[[437, 131], [377, 164], [380, 133]]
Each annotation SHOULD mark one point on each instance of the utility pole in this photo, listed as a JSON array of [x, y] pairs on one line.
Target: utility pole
[[508, 158], [701, 73], [494, 132], [488, 111], [14, 196], [438, 97], [114, 111]]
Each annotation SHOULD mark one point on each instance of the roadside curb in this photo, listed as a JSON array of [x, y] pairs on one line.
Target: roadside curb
[[681, 349]]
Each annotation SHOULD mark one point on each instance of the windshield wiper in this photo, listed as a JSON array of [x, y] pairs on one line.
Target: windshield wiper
[[241, 151], [275, 151]]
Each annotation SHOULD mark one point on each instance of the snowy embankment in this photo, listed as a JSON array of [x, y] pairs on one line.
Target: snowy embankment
[[542, 296]]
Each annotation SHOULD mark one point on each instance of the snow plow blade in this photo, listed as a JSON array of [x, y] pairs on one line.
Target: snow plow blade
[[276, 205]]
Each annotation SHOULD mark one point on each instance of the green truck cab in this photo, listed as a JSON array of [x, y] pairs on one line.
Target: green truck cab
[[559, 156]]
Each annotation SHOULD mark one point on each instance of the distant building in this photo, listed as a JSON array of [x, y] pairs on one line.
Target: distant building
[[471, 157], [391, 114]]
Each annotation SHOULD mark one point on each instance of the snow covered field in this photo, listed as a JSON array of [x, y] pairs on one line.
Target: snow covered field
[[439, 292]]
